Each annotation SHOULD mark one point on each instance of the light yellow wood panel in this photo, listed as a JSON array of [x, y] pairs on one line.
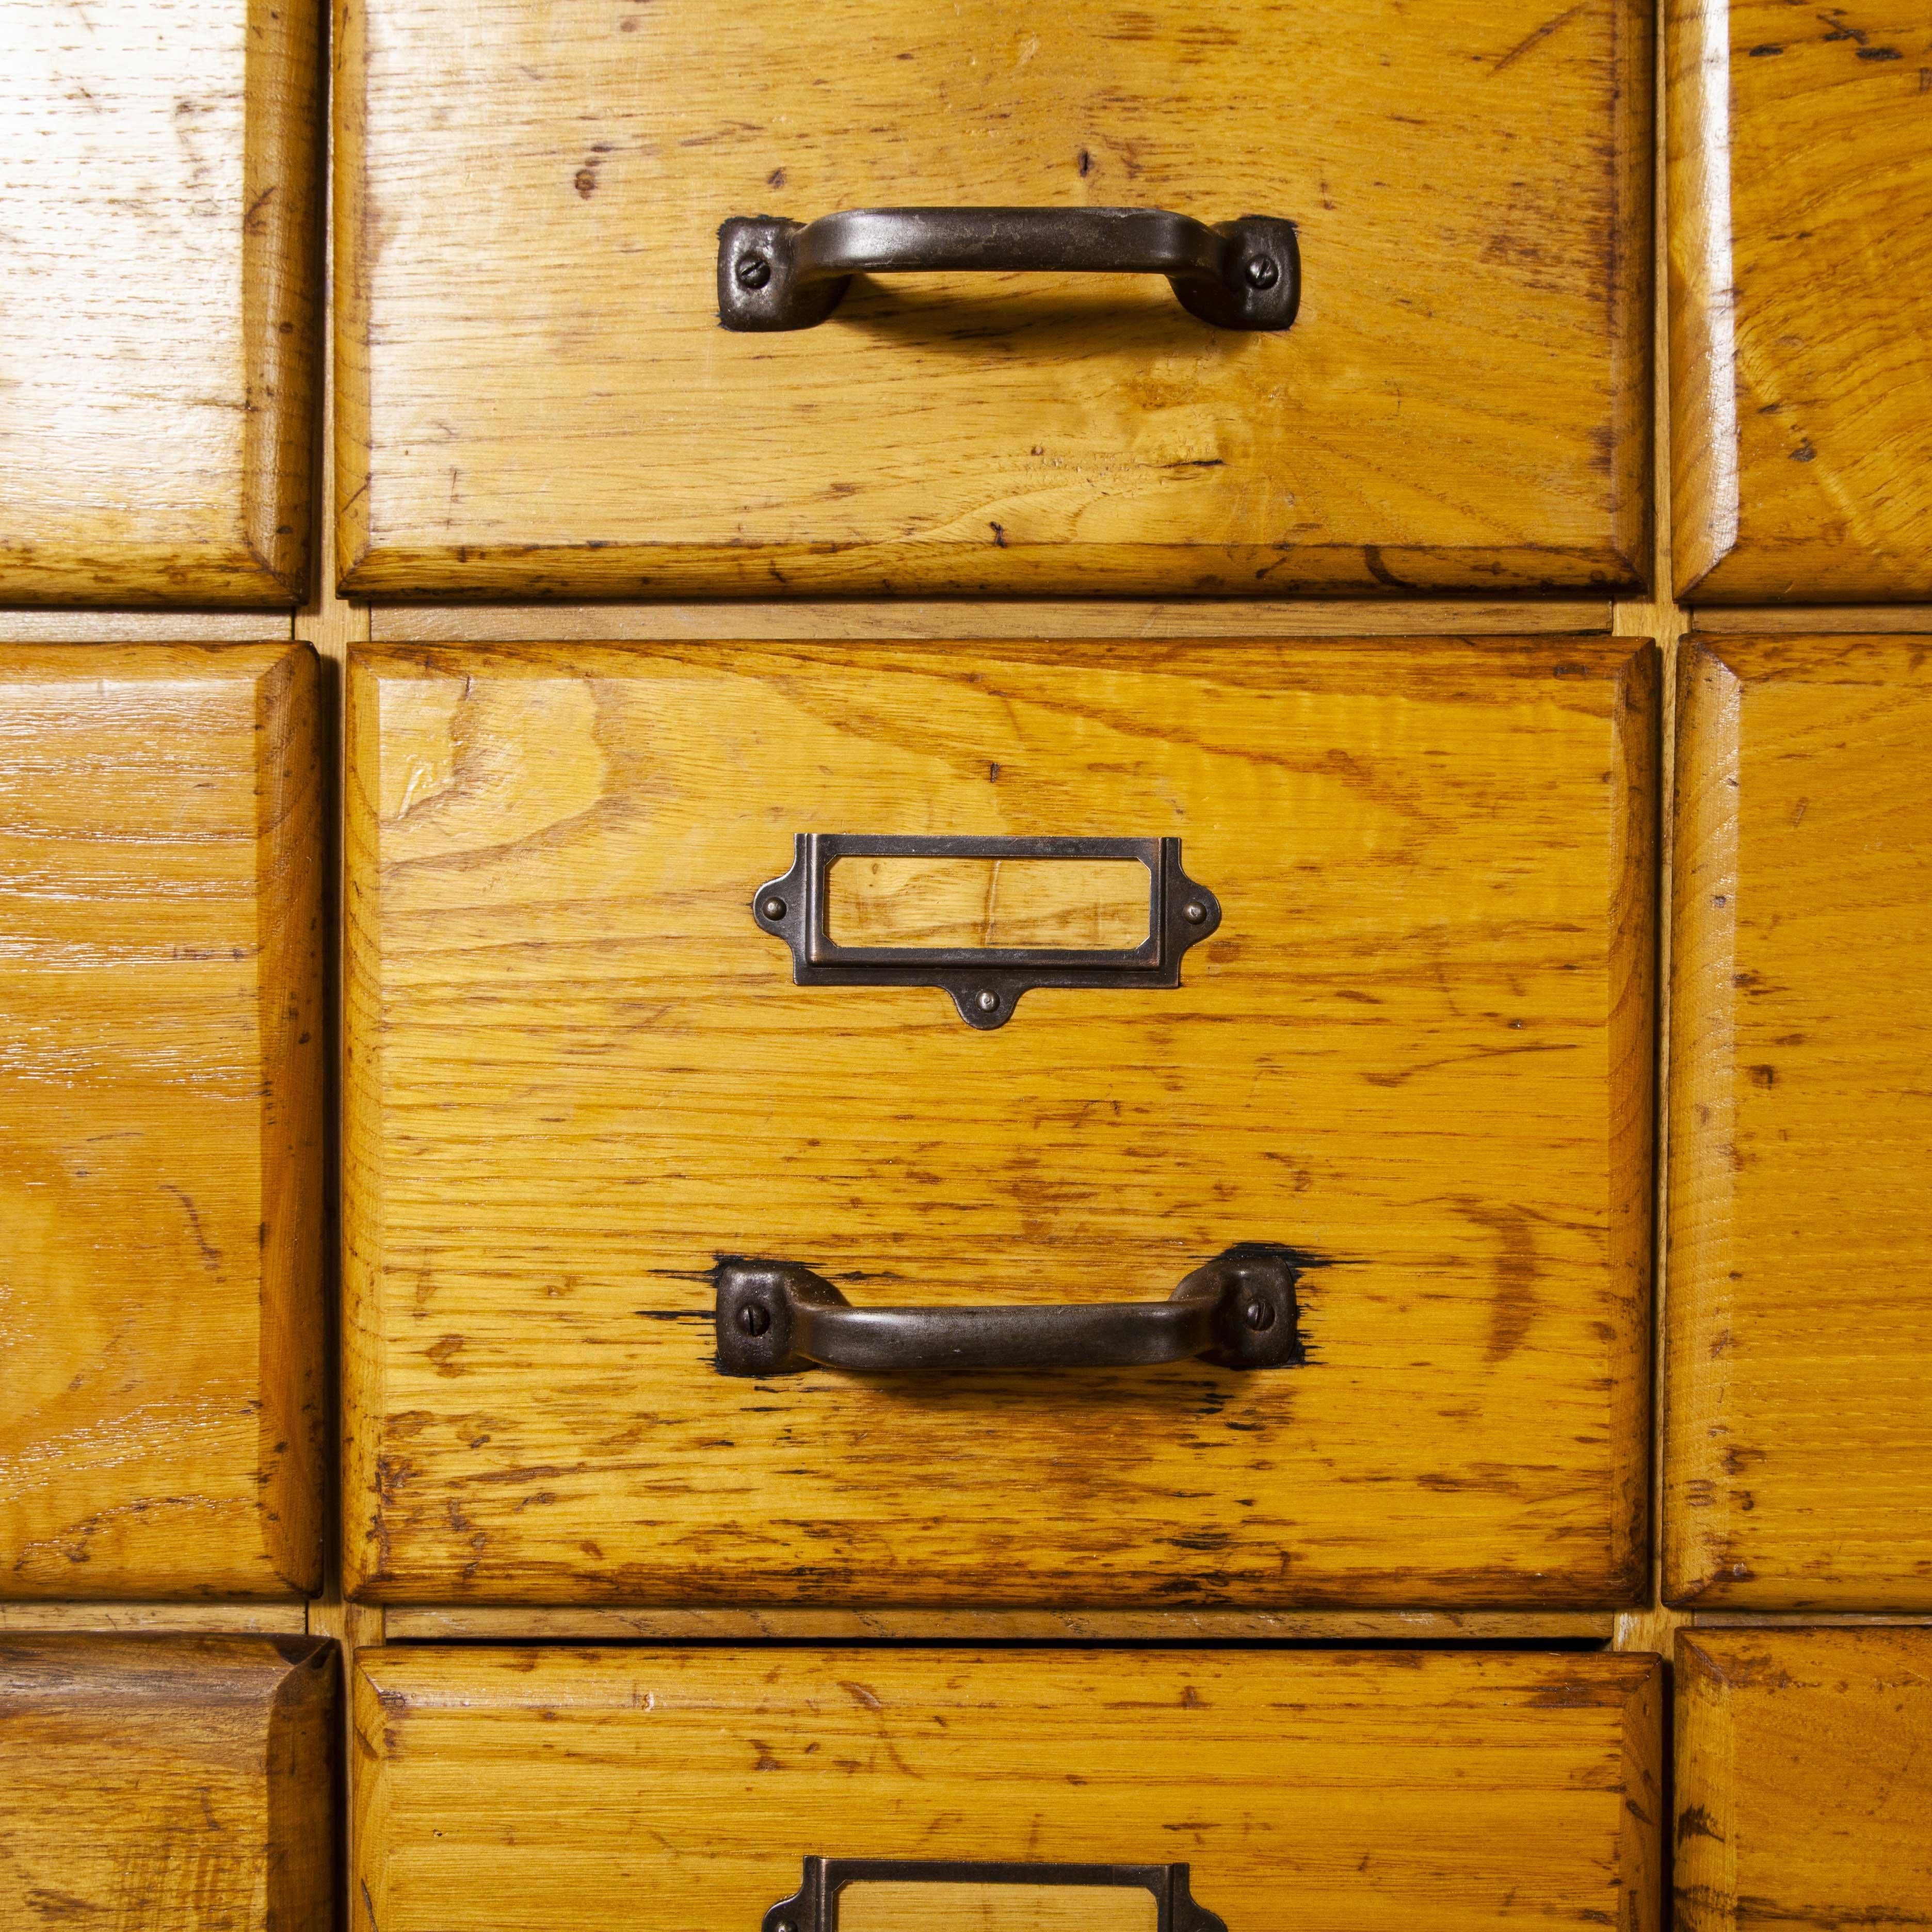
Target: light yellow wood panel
[[168, 1782], [982, 902], [157, 331], [1798, 1464], [161, 1064], [1804, 1780], [885, 1905], [537, 400], [1419, 1047], [1354, 1791], [273, 1619], [1800, 310]]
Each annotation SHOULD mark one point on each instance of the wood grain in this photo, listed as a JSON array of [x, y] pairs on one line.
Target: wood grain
[[160, 1077], [1798, 1457], [1801, 392], [161, 206], [166, 1782], [288, 1619], [1357, 1791], [1804, 1780], [537, 401], [1419, 1048]]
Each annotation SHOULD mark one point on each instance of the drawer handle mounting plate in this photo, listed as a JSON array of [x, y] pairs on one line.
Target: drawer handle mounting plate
[[986, 981]]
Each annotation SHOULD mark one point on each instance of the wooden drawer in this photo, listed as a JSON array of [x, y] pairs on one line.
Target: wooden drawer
[[1800, 184], [537, 399], [1415, 1056], [677, 1787], [159, 208], [168, 1781], [160, 1184], [1799, 1451], [1803, 1778]]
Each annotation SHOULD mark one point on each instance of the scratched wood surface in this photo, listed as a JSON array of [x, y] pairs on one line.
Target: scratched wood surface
[[161, 1033], [1358, 1791], [160, 203], [1801, 431], [536, 398], [1804, 1780], [1419, 1050], [168, 1782], [1798, 1454]]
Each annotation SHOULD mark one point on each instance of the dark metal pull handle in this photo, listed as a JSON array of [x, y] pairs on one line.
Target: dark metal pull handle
[[813, 1907], [773, 273], [1238, 1309], [985, 981]]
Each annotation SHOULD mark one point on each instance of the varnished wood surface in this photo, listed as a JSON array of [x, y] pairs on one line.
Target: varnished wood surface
[[275, 1619], [1804, 1780], [499, 1790], [536, 398], [1419, 1048], [164, 1431], [174, 1783], [1799, 1463], [1801, 391], [597, 1623], [160, 204]]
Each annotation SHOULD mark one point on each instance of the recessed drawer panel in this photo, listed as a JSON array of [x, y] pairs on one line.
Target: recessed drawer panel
[[1798, 1432], [159, 333], [1391, 330], [663, 1789], [1801, 185], [161, 832], [1803, 1778], [176, 1781], [708, 1243]]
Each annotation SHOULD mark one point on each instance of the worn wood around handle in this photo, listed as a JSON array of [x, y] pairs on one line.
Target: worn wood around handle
[[161, 1031], [169, 1782], [1364, 1791], [1797, 1465]]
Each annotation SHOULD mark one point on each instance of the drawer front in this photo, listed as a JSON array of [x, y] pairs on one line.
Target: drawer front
[[160, 1005], [1801, 441], [671, 1788], [1413, 1058], [1798, 1449], [1803, 1778], [160, 210], [169, 1781], [1460, 402]]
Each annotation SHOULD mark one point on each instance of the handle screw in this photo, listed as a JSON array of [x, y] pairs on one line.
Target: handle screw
[[1263, 272], [1195, 913], [988, 1003], [754, 1318], [1258, 1315], [773, 908], [755, 271]]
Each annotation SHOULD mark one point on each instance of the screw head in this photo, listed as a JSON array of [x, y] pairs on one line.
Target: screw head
[[1195, 913], [754, 1318], [754, 272], [773, 908], [1263, 272], [785, 1925], [1258, 1315], [988, 1003]]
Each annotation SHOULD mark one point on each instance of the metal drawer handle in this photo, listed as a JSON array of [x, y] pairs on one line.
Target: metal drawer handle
[[985, 981], [1239, 1309], [813, 1907], [773, 273]]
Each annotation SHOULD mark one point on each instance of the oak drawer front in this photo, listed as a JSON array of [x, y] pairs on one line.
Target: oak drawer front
[[669, 1788], [176, 1781], [161, 832], [160, 208], [1798, 1432], [1801, 438], [1803, 1778], [1460, 402], [1415, 1053]]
